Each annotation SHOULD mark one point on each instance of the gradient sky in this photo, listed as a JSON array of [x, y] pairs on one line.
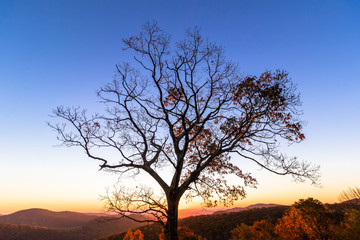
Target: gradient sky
[[60, 52]]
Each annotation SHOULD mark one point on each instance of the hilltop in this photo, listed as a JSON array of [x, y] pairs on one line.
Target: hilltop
[[254, 206], [46, 218], [42, 224]]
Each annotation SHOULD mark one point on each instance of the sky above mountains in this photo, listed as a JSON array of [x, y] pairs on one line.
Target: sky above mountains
[[60, 52]]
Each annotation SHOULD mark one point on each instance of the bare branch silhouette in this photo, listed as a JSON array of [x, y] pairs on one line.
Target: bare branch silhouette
[[188, 111]]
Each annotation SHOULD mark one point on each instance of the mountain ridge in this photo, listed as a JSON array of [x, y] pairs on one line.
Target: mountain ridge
[[253, 206], [96, 228], [184, 213], [23, 216], [46, 218]]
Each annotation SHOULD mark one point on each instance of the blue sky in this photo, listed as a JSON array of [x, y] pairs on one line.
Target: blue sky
[[60, 52]]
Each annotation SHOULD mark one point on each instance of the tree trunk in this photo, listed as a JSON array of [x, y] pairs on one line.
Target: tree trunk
[[171, 227]]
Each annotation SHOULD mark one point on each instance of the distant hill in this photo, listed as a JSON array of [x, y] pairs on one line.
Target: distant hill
[[46, 218], [353, 201], [254, 206], [96, 228], [184, 213]]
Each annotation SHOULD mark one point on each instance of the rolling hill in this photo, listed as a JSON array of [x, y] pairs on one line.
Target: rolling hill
[[254, 206], [184, 213], [47, 218], [95, 227]]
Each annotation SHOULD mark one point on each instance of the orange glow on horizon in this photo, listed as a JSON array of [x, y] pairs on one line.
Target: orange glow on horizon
[[263, 194]]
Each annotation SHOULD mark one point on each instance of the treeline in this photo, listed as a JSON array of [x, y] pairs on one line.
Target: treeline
[[305, 219]]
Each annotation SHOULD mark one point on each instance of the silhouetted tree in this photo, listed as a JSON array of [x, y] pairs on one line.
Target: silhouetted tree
[[186, 111]]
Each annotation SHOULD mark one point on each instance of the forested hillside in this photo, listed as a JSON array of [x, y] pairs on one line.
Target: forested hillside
[[46, 218]]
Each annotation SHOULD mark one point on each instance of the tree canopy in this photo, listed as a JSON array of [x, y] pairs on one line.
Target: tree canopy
[[307, 219], [187, 109]]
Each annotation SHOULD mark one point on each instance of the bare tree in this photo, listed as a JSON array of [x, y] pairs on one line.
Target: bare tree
[[186, 109], [350, 194]]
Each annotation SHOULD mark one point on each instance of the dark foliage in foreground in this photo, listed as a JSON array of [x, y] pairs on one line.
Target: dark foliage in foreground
[[151, 232]]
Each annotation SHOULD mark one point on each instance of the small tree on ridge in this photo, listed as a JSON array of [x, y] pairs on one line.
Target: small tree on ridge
[[352, 194]]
